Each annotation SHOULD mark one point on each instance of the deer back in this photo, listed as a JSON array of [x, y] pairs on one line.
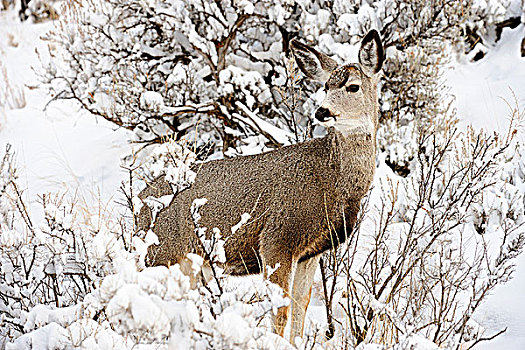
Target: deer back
[[301, 198]]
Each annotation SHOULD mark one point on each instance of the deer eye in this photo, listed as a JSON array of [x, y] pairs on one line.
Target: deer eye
[[352, 88]]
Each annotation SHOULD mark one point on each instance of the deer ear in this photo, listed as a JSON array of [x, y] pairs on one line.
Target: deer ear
[[371, 55], [313, 64]]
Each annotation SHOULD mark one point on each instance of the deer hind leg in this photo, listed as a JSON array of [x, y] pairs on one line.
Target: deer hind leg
[[283, 277], [301, 293], [203, 276]]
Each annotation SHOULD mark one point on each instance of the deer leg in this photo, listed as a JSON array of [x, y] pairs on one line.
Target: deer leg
[[283, 277], [301, 293]]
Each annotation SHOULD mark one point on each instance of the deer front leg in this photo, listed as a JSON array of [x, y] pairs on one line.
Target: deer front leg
[[301, 293], [283, 277]]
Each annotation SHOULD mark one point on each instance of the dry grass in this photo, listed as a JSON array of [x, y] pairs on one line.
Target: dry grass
[[11, 96]]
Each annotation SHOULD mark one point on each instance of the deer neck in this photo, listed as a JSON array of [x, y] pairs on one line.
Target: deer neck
[[352, 126], [356, 153]]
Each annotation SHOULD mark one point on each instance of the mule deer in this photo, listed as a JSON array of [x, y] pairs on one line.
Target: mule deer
[[302, 198]]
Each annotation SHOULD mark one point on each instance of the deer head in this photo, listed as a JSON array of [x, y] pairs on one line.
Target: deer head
[[350, 104]]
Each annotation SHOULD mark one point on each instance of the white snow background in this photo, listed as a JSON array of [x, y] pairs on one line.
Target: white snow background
[[482, 90], [61, 147]]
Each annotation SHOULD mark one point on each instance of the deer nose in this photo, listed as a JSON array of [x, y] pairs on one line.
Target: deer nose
[[322, 114]]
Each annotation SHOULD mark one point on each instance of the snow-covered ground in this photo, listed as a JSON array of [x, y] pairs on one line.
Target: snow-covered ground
[[61, 148], [483, 91]]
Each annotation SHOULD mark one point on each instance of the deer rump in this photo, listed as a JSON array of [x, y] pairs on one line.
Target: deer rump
[[302, 200]]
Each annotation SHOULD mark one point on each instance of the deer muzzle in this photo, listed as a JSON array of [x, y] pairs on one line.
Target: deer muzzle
[[323, 114]]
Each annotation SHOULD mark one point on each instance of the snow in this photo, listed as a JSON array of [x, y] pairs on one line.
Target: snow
[[42, 339], [415, 342], [483, 90], [279, 135], [62, 148], [42, 315], [244, 219], [151, 100]]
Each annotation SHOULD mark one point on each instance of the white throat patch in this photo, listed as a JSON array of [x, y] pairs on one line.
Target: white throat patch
[[361, 125]]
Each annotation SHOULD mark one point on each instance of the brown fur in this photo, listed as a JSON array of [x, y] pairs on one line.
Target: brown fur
[[302, 199], [304, 188]]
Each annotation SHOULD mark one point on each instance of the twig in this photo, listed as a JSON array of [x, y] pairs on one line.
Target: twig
[[488, 338]]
